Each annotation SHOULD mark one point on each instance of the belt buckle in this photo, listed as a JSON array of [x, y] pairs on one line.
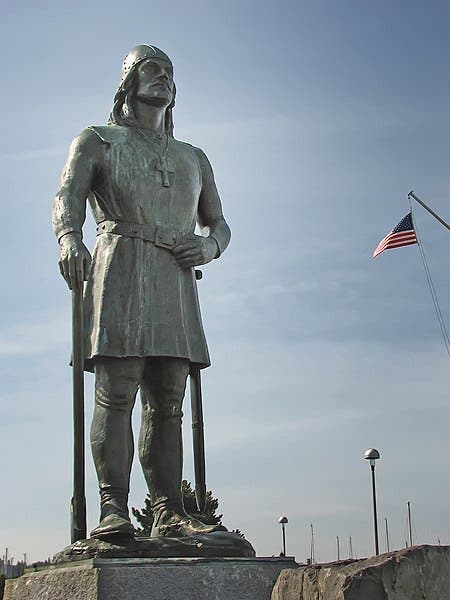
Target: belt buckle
[[165, 237]]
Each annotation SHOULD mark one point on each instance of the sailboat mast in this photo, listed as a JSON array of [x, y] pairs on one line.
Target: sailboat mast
[[409, 524], [311, 554]]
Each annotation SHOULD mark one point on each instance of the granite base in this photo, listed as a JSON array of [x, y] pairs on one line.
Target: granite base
[[152, 579]]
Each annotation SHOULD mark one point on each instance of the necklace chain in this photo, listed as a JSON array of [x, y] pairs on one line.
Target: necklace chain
[[164, 166], [162, 156]]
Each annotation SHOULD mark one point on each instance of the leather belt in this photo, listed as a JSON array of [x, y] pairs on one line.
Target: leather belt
[[163, 237]]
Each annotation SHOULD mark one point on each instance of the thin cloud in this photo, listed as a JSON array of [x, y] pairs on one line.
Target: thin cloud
[[13, 348], [251, 430], [40, 335], [36, 154]]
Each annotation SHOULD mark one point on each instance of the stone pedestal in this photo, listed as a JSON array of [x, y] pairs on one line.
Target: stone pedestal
[[152, 579]]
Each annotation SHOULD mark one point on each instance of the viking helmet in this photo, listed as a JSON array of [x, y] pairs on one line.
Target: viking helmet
[[137, 55]]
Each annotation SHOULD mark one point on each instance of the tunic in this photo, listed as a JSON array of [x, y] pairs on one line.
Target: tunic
[[138, 300]]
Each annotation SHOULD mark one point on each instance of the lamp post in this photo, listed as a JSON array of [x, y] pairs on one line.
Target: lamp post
[[372, 455], [283, 521]]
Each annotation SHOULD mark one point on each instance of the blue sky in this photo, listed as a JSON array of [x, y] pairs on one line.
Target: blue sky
[[318, 119]]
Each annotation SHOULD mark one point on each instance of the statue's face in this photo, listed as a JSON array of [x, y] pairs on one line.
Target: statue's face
[[154, 82]]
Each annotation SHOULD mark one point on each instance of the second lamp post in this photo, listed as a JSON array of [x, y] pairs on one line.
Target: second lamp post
[[372, 455], [283, 521]]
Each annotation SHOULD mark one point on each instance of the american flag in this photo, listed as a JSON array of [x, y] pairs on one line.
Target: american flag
[[402, 235]]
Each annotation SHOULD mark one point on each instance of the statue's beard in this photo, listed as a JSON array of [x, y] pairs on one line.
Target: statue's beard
[[156, 101]]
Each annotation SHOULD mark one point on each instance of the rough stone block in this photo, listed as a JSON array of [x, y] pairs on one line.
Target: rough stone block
[[417, 573], [76, 583]]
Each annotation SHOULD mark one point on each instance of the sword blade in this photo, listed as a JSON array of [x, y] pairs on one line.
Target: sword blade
[[198, 438]]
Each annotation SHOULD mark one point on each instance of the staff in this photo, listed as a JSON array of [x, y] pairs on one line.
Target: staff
[[78, 503]]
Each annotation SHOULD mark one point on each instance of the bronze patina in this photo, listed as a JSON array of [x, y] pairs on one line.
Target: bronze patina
[[142, 323]]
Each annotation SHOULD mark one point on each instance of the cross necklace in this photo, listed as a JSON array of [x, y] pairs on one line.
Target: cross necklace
[[164, 166]]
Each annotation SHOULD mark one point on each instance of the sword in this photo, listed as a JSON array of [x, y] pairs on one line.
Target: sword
[[78, 503], [198, 434], [198, 438]]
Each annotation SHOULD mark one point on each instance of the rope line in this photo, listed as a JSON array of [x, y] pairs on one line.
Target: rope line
[[434, 297]]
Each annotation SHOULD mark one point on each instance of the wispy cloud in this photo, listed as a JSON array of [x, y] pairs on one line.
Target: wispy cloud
[[39, 335], [319, 120], [36, 154], [14, 348], [251, 429]]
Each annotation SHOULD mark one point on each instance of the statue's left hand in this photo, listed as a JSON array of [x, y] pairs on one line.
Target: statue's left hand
[[195, 250]]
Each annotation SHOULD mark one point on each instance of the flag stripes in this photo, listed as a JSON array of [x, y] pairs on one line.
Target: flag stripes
[[402, 235]]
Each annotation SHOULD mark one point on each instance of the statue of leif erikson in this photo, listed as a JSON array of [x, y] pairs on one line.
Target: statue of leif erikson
[[143, 328]]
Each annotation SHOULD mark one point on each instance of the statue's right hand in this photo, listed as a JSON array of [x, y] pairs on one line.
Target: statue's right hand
[[74, 261]]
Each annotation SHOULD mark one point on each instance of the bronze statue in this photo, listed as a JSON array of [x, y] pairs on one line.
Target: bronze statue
[[143, 327]]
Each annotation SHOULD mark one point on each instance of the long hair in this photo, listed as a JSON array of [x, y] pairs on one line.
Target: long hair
[[122, 112]]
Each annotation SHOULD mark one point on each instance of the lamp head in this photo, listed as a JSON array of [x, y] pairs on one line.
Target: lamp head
[[372, 455]]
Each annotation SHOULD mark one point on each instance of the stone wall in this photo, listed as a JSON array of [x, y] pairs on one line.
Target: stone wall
[[417, 573]]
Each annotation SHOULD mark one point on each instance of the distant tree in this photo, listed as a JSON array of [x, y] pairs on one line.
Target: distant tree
[[145, 516]]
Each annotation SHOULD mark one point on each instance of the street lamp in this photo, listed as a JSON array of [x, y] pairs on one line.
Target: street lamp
[[372, 455], [283, 521]]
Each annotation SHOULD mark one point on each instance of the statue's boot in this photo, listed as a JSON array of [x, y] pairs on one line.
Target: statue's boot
[[114, 518], [112, 445], [161, 450], [171, 520], [113, 527]]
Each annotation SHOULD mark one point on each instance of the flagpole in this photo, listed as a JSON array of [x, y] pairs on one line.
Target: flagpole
[[432, 289], [417, 199]]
